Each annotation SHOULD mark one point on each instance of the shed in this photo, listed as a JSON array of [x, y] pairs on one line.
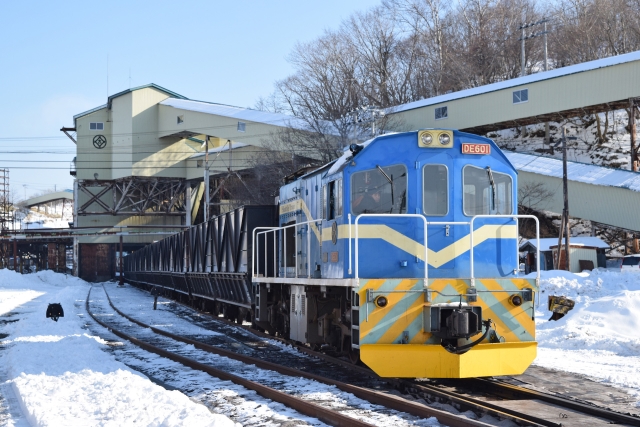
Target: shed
[[580, 249]]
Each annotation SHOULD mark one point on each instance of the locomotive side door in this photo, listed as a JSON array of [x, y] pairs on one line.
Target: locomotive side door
[[436, 183]]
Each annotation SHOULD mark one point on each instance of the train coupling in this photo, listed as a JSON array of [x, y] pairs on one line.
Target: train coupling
[[559, 306]]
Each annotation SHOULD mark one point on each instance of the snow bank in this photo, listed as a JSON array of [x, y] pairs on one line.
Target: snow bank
[[61, 375], [600, 337]]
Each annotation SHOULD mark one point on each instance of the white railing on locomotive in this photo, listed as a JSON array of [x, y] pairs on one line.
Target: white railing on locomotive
[[256, 252], [515, 218], [395, 216], [282, 230]]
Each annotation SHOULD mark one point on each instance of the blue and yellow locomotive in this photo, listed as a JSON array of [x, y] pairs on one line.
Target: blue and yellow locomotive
[[403, 254]]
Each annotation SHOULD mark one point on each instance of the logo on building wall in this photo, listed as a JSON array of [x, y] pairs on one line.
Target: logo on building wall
[[99, 141]]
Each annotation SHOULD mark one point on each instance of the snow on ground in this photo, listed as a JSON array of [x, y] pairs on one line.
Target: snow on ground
[[600, 337], [58, 374]]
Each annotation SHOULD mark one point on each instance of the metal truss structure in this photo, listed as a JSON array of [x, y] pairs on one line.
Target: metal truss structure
[[133, 196], [211, 260]]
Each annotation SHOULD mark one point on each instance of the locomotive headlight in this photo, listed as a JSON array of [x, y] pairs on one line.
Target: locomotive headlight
[[515, 300], [444, 139], [381, 301], [427, 138]]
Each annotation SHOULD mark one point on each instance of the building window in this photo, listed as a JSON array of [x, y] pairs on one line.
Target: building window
[[242, 126], [441, 113], [96, 126], [180, 119], [520, 96]]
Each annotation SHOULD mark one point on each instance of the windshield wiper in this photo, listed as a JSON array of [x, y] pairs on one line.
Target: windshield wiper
[[493, 188], [390, 182]]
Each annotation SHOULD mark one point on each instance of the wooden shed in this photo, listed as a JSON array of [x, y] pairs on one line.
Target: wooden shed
[[585, 253]]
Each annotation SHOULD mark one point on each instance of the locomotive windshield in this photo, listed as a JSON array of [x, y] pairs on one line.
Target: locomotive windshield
[[379, 190], [486, 192], [435, 185]]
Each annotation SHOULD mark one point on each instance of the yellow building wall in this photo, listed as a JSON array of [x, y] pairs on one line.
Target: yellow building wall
[[89, 159]]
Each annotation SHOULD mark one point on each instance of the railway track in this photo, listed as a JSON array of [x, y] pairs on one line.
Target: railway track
[[498, 398], [327, 415]]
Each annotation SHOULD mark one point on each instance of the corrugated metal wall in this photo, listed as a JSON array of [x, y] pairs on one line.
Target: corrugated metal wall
[[568, 92]]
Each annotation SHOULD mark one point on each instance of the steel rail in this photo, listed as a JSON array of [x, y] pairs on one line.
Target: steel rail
[[453, 398], [302, 406], [476, 406], [462, 401], [560, 401], [371, 396]]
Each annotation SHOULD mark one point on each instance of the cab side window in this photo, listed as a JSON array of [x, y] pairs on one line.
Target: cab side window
[[333, 199]]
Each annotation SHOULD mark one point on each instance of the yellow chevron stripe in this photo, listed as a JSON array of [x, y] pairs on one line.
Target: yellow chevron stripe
[[522, 317], [299, 204], [436, 259], [377, 317]]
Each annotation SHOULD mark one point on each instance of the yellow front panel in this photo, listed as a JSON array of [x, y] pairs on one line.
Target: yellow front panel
[[433, 361], [393, 341]]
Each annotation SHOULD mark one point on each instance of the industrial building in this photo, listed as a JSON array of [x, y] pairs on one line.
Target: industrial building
[[139, 168]]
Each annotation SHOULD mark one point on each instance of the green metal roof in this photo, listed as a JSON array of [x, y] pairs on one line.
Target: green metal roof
[[108, 104], [151, 85]]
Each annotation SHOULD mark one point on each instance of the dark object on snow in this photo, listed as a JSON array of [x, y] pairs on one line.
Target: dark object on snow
[[559, 306], [55, 311]]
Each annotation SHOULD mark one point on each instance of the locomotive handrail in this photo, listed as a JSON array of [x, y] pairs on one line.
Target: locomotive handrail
[[284, 246], [517, 247], [426, 247], [255, 250], [349, 220]]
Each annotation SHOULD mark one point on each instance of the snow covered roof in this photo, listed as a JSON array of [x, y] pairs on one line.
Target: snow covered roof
[[248, 114], [225, 147], [546, 75], [547, 243], [580, 172]]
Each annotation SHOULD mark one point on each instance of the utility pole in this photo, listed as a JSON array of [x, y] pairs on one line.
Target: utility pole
[[121, 282], [565, 191], [564, 223], [523, 37], [632, 131]]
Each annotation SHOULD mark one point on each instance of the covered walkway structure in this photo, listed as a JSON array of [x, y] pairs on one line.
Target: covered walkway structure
[[604, 195], [596, 86]]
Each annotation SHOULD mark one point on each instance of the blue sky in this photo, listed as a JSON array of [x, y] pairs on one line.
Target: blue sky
[[54, 64]]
